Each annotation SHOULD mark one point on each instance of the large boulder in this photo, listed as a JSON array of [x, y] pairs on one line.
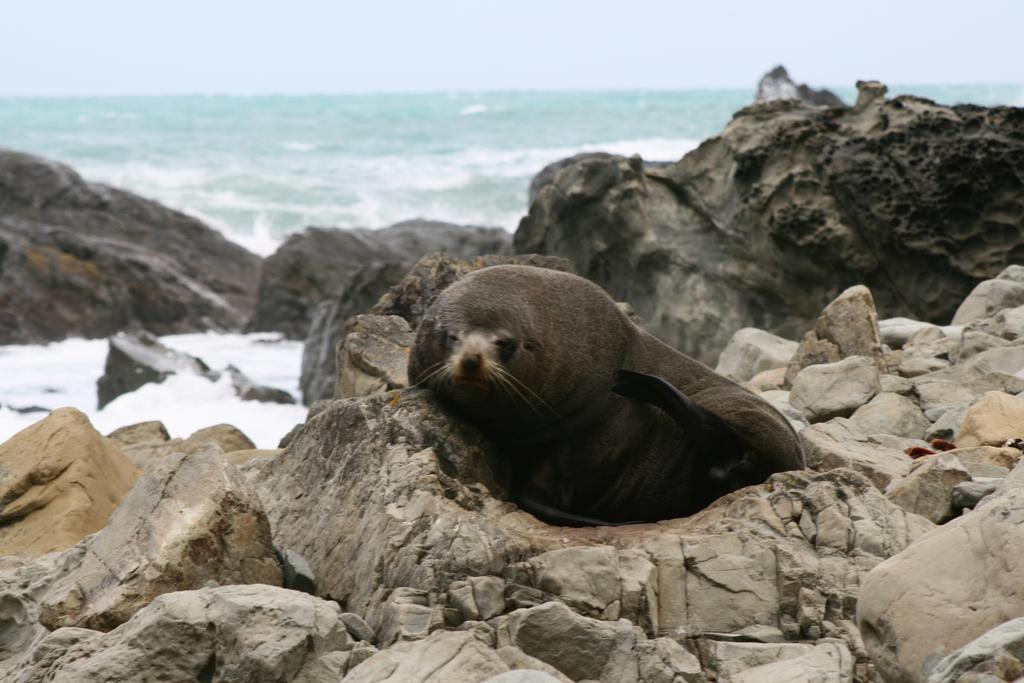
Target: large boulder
[[416, 534], [88, 260], [60, 481], [766, 223], [320, 263], [946, 589]]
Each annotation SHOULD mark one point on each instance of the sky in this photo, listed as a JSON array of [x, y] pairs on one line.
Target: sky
[[135, 47]]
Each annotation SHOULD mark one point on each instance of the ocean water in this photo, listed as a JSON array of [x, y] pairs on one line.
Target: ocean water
[[259, 168]]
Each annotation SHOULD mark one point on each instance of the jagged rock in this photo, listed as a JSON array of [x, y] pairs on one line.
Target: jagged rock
[[777, 85], [373, 355], [996, 656], [401, 485], [87, 260], [1006, 290], [766, 223], [889, 413], [137, 359], [848, 326], [992, 421], [840, 443], [59, 482], [246, 455], [752, 351], [821, 392], [945, 589], [313, 265], [329, 325], [257, 634], [297, 576], [928, 489], [248, 390], [189, 519]]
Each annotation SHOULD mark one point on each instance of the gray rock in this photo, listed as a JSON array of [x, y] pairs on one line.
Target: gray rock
[[974, 342], [891, 414], [894, 384], [895, 332], [828, 660], [777, 85], [188, 520], [998, 656], [839, 443], [136, 359], [296, 574], [522, 676], [81, 259], [751, 351], [946, 589], [947, 425], [230, 633], [357, 627], [248, 390], [967, 495], [928, 489], [314, 265], [1006, 290], [915, 367], [373, 355], [821, 392], [766, 223]]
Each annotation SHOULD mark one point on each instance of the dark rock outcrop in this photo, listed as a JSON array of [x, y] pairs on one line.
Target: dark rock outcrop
[[777, 85], [766, 223], [318, 263], [85, 259]]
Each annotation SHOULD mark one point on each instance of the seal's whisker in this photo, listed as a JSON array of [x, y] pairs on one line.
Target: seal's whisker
[[512, 378], [502, 381], [440, 368]]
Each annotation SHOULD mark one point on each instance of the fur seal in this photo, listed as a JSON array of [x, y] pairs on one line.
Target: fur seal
[[602, 422]]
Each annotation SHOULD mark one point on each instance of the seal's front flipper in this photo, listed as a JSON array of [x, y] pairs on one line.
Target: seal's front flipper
[[660, 393], [556, 517]]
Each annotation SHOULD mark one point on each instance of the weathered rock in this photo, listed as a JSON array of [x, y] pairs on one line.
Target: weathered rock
[[895, 332], [373, 355], [1005, 290], [848, 326], [313, 265], [88, 260], [947, 425], [147, 441], [752, 351], [821, 392], [414, 535], [766, 223], [987, 461], [248, 390], [257, 634], [777, 85], [768, 380], [974, 342], [928, 489], [915, 367], [59, 482], [828, 660], [968, 494], [137, 359], [189, 519], [996, 656], [840, 443], [945, 589], [992, 421], [328, 327], [894, 414], [894, 384]]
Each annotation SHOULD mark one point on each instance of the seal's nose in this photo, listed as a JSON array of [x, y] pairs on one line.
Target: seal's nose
[[470, 363]]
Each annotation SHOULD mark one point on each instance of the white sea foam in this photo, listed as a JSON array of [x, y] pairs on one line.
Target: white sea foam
[[65, 373], [296, 146], [471, 109]]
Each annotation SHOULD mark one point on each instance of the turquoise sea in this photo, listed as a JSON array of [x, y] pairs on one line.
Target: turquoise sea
[[261, 167]]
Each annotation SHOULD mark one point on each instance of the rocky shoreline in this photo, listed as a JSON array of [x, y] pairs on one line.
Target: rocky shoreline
[[378, 542]]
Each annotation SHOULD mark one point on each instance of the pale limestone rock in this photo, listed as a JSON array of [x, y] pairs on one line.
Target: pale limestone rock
[[821, 392], [993, 420], [751, 351], [928, 489], [1006, 290], [841, 443], [998, 655], [373, 355], [60, 481], [892, 414], [946, 589]]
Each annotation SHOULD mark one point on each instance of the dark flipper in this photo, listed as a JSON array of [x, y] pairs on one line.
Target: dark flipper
[[555, 517], [711, 432]]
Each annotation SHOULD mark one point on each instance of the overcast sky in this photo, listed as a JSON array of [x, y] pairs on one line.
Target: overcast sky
[[106, 47]]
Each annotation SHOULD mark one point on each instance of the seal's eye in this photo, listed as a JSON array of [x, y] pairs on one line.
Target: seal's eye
[[506, 347], [448, 340]]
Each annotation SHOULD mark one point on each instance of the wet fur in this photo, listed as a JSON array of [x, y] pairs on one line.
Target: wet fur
[[580, 452]]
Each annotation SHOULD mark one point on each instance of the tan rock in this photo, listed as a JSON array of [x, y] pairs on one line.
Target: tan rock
[[373, 355], [767, 380], [993, 420], [146, 441], [987, 461], [244, 456], [945, 589], [928, 489], [60, 480]]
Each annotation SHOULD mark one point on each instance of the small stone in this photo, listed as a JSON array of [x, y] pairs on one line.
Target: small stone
[[821, 392], [915, 367], [891, 414], [751, 351]]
